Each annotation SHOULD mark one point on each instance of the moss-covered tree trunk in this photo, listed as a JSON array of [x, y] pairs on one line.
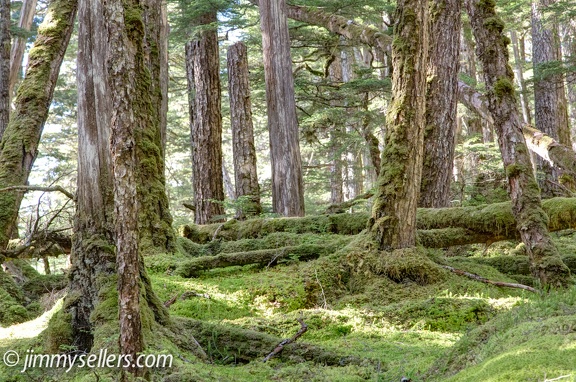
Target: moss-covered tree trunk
[[93, 272], [4, 65], [154, 218], [20, 141], [287, 182], [550, 115], [132, 102], [531, 220], [202, 66], [245, 173], [336, 77], [394, 212], [441, 103]]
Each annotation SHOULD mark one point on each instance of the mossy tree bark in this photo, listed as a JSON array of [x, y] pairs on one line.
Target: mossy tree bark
[[394, 213], [27, 10], [131, 103], [19, 145], [93, 272], [531, 220], [202, 67], [154, 218], [336, 77], [4, 65], [287, 182], [550, 115], [441, 103], [245, 172]]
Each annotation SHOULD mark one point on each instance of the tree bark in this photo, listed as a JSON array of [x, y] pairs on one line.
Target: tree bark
[[287, 182], [336, 77], [19, 145], [4, 65], [245, 172], [27, 11], [202, 66], [550, 116], [94, 221], [93, 256], [131, 102], [154, 218], [530, 218], [441, 111], [394, 213]]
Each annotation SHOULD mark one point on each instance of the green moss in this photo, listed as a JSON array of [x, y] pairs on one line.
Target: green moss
[[504, 87], [494, 23], [58, 335]]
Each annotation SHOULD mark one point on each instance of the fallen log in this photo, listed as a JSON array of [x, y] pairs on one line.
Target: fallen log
[[244, 345], [265, 257], [437, 227], [550, 150]]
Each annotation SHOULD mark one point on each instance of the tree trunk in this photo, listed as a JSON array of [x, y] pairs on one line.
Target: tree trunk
[[336, 77], [394, 212], [93, 240], [20, 140], [17, 52], [245, 173], [93, 272], [549, 113], [131, 103], [531, 220], [519, 71], [4, 65], [441, 111], [155, 220], [570, 50], [287, 183], [202, 66]]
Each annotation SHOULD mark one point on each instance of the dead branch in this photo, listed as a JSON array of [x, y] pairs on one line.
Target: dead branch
[[39, 188], [341, 207], [189, 206], [486, 281], [280, 346]]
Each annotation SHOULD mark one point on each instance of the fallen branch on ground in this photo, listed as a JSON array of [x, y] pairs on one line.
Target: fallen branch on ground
[[278, 349], [486, 281]]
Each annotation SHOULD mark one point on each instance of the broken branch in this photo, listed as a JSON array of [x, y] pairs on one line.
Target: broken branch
[[39, 188], [280, 346], [484, 280]]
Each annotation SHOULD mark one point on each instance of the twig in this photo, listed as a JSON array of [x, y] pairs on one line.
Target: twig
[[486, 281], [39, 188], [321, 289], [280, 347], [558, 378], [217, 231]]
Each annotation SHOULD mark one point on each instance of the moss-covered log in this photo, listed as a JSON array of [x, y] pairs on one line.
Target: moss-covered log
[[244, 345], [19, 145], [264, 257], [437, 228], [344, 224]]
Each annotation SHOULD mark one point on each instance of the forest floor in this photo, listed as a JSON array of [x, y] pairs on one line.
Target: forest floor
[[363, 324]]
